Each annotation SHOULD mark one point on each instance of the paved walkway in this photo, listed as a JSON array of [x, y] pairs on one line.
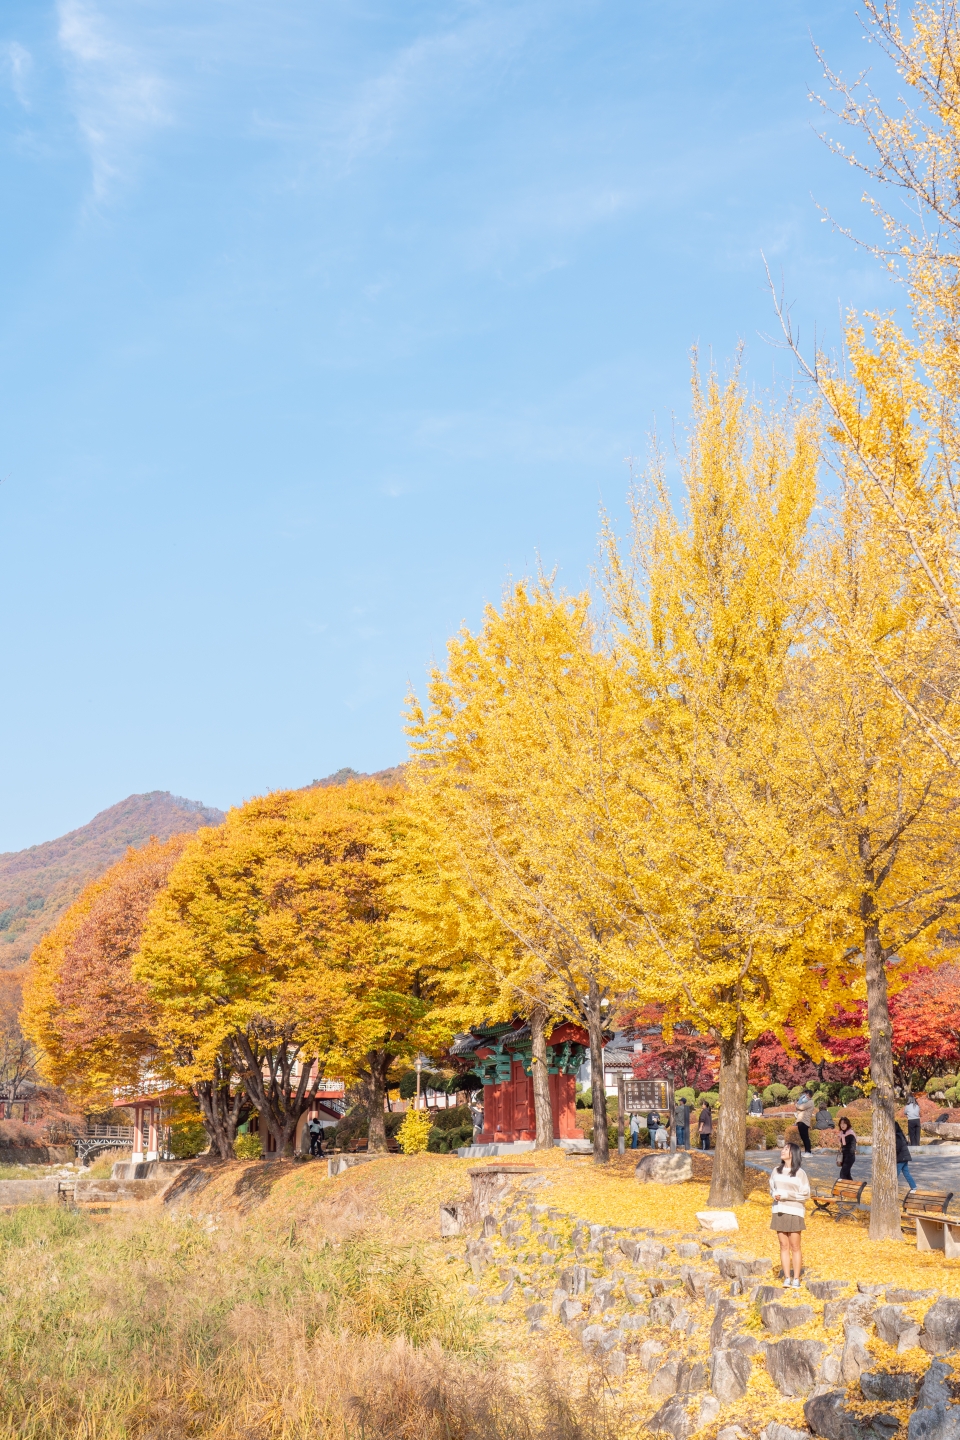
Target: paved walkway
[[934, 1167]]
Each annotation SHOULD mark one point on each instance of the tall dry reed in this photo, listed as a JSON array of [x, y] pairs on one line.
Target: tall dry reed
[[149, 1328]]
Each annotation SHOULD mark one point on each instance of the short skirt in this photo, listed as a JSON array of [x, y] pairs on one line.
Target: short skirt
[[788, 1224]]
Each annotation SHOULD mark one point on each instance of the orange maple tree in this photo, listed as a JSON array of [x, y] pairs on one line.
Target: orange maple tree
[[94, 1024]]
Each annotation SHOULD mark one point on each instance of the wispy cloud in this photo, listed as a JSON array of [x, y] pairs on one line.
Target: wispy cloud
[[419, 85], [119, 98], [18, 63], [441, 62]]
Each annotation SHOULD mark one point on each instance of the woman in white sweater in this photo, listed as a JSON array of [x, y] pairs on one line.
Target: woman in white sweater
[[790, 1188]]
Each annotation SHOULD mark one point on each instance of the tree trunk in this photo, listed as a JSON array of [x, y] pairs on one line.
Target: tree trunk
[[220, 1110], [726, 1185], [278, 1102], [543, 1113], [379, 1063], [884, 1203], [601, 1138], [221, 1106]]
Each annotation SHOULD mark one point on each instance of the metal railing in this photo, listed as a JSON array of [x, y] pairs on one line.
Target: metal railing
[[104, 1137], [110, 1132]]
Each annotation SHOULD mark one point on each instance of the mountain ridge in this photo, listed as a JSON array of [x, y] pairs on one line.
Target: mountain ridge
[[39, 883]]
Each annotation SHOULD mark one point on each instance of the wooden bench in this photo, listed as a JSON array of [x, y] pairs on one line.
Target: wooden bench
[[936, 1230], [842, 1199]]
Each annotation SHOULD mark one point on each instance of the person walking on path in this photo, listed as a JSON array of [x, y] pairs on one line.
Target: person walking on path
[[848, 1148], [790, 1189], [903, 1158], [705, 1126], [912, 1112], [804, 1118], [756, 1105], [634, 1132], [681, 1121]]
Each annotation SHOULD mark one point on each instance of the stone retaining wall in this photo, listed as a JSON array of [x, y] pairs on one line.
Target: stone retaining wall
[[691, 1320], [37, 1154], [29, 1192]]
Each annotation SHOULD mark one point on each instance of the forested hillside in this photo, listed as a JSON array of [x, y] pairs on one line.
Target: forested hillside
[[37, 885]]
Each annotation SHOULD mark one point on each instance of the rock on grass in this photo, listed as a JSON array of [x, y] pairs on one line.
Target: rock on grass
[[794, 1365]]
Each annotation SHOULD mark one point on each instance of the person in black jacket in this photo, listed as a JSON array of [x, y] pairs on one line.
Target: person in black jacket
[[903, 1158], [848, 1148]]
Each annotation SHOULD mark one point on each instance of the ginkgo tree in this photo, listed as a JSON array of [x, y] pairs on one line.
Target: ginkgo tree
[[722, 851], [512, 758], [888, 883], [893, 407], [486, 973]]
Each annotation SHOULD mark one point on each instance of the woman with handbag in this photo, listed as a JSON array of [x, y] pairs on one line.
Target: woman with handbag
[[804, 1119], [848, 1148]]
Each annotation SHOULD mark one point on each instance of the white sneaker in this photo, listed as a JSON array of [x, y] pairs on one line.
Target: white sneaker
[[796, 1283], [787, 1284]]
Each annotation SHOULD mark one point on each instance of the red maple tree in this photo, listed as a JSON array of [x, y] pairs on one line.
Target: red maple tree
[[926, 1023], [690, 1057]]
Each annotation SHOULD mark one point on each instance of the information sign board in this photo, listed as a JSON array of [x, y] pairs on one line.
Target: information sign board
[[640, 1097]]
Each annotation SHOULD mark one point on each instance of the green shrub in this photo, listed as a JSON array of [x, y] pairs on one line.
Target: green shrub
[[795, 1092], [775, 1094], [847, 1094], [936, 1085], [188, 1138], [711, 1097], [454, 1119], [686, 1092], [247, 1147], [951, 1094], [448, 1142]]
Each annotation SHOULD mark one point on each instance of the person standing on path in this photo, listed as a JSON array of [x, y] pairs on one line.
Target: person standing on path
[[903, 1158], [681, 1121], [848, 1148], [912, 1112], [705, 1126], [804, 1118], [315, 1131], [634, 1132], [790, 1189], [756, 1105]]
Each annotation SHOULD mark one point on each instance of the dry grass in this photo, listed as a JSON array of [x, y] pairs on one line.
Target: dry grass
[[102, 1167], [158, 1326]]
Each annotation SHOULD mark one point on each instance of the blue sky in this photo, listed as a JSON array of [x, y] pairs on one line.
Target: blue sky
[[320, 320]]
